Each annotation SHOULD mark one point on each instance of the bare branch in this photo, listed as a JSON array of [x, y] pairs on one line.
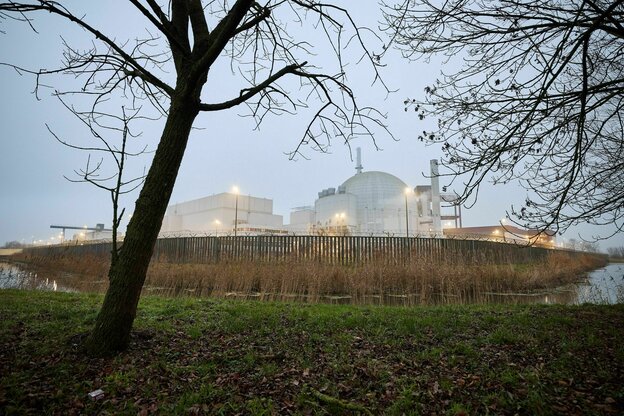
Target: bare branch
[[536, 100], [161, 23], [248, 93]]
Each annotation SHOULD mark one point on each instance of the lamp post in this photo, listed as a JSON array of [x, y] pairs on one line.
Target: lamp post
[[407, 192], [217, 224], [504, 229], [340, 224], [235, 190]]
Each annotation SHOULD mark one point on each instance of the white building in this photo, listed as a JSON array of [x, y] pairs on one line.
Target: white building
[[375, 203], [93, 235], [368, 203], [217, 215]]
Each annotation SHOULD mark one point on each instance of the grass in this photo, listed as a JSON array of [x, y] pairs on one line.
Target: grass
[[421, 281], [214, 356]]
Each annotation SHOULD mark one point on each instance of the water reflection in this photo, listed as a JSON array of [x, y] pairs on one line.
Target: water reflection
[[13, 276], [604, 285]]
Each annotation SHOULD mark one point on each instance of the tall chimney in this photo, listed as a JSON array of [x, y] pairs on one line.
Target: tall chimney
[[435, 196], [358, 166]]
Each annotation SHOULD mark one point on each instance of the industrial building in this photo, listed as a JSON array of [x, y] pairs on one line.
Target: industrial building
[[222, 214], [85, 233], [368, 203], [377, 203], [504, 233]]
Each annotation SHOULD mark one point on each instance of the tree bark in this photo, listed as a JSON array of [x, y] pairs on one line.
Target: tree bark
[[111, 333]]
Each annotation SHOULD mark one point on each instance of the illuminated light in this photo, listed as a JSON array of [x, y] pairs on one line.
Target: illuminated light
[[408, 190], [236, 191]]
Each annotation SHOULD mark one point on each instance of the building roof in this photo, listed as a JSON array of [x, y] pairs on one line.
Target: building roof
[[374, 180]]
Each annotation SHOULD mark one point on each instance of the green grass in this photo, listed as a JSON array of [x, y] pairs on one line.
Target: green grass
[[209, 356]]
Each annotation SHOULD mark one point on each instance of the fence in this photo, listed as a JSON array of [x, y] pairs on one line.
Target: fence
[[324, 249]]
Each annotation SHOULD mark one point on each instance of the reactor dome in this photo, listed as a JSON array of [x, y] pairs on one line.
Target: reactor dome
[[380, 199], [374, 187]]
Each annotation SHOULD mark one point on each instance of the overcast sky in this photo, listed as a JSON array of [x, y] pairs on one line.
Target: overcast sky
[[224, 151]]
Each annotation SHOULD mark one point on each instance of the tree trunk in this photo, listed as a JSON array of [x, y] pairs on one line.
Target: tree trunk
[[111, 333]]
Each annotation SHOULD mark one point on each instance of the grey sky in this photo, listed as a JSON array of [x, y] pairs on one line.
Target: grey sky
[[224, 150]]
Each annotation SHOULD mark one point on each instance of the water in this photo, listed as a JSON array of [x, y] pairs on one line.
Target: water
[[13, 276], [602, 286]]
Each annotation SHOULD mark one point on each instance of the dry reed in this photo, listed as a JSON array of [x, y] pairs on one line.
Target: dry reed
[[422, 279]]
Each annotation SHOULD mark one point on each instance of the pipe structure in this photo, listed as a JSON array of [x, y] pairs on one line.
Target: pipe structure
[[435, 196], [358, 167]]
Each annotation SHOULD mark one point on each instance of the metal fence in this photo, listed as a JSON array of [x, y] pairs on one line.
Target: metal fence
[[325, 249]]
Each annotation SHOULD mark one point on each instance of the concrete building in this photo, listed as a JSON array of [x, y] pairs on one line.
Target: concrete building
[[375, 203], [222, 214], [93, 235], [504, 233], [368, 203]]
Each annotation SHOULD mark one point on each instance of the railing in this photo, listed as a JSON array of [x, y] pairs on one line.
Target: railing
[[325, 249]]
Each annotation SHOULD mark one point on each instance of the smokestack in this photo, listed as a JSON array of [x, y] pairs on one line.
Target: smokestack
[[358, 166], [435, 196]]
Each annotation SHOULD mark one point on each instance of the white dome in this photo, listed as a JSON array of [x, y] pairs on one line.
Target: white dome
[[375, 187], [380, 200]]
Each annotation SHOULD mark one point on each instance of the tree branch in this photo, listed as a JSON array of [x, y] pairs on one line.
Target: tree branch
[[248, 93], [161, 25], [51, 7], [219, 37]]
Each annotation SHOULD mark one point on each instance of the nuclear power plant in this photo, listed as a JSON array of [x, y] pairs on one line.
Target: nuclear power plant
[[372, 203], [376, 203]]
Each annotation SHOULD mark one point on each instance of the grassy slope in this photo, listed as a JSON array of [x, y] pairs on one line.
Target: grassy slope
[[207, 356]]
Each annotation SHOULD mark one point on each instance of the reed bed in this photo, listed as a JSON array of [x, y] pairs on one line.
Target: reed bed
[[423, 280]]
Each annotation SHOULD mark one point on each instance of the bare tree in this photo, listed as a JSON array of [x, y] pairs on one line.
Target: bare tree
[[189, 36], [530, 91], [94, 173], [13, 244], [616, 252]]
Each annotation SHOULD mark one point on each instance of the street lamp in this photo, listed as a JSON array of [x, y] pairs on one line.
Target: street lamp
[[503, 222], [408, 191], [236, 192], [217, 224], [340, 223]]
